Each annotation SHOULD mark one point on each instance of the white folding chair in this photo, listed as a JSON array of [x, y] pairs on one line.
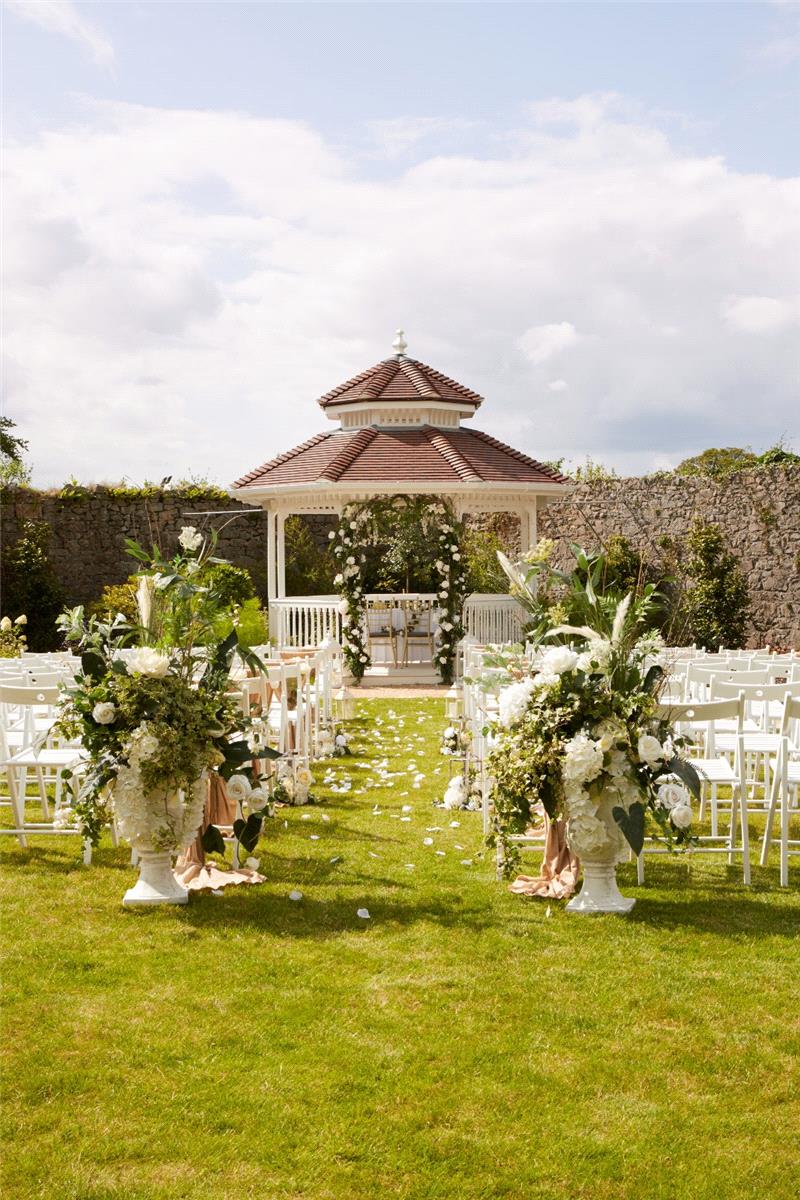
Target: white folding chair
[[714, 770], [33, 755], [785, 788]]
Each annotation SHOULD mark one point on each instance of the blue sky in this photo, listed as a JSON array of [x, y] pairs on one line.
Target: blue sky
[[300, 178]]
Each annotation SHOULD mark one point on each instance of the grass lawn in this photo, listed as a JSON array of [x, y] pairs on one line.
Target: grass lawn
[[461, 1043]]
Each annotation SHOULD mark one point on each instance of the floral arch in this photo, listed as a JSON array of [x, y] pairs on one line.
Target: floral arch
[[367, 522]]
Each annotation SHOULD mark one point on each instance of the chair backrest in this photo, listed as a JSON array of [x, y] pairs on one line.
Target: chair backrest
[[24, 697], [705, 714], [723, 688]]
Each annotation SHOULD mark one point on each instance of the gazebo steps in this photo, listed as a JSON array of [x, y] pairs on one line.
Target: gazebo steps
[[413, 675]]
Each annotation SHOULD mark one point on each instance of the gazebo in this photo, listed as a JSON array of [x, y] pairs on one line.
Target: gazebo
[[399, 431]]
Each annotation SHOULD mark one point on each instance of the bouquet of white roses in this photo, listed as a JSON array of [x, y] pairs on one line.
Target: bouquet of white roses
[[583, 728], [150, 705]]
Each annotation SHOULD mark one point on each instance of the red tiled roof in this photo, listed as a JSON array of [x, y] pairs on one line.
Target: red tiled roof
[[396, 379], [401, 456]]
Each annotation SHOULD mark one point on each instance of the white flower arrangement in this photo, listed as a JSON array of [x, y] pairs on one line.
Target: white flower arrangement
[[581, 736]]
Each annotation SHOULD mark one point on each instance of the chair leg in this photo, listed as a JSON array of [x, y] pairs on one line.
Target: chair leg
[[785, 837], [87, 852], [17, 803], [773, 802], [640, 869]]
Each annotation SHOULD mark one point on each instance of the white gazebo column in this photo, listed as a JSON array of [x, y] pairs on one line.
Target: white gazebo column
[[281, 532], [272, 587], [529, 533]]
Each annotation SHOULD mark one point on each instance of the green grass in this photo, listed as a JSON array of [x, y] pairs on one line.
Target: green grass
[[460, 1044]]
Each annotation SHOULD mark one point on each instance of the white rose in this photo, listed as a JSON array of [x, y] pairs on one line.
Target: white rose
[[557, 660], [456, 558], [104, 712], [238, 788], [5, 624], [351, 562], [147, 661], [338, 580], [353, 525], [258, 798], [303, 777], [340, 739], [681, 816], [650, 750], [672, 795], [332, 535], [190, 538], [342, 606]]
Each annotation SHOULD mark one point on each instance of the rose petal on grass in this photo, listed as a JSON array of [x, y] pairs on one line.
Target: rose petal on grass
[[295, 895], [363, 913]]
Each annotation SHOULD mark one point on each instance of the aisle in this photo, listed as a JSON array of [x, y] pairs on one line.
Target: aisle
[[375, 822]]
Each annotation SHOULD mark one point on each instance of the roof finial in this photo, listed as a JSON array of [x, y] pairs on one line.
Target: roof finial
[[400, 345]]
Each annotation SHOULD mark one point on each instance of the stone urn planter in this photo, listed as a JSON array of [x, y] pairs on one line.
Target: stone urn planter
[[599, 891], [175, 817]]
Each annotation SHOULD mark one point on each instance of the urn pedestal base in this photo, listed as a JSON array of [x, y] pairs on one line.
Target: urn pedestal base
[[599, 892], [156, 883]]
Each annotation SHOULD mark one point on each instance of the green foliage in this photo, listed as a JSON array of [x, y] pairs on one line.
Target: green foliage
[[591, 472], [309, 570], [484, 573], [31, 586], [250, 622], [586, 594], [717, 600], [778, 456], [719, 463], [13, 471], [232, 585], [117, 598]]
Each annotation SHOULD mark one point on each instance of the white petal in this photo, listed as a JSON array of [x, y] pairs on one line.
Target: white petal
[[363, 913], [295, 895]]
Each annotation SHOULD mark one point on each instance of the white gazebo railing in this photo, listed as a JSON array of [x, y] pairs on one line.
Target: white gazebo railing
[[308, 620], [492, 620], [304, 621]]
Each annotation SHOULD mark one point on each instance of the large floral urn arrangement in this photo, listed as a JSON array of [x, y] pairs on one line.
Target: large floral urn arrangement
[[150, 704], [579, 735]]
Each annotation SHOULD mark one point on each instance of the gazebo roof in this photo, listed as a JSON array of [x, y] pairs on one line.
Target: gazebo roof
[[397, 379], [399, 430], [412, 456]]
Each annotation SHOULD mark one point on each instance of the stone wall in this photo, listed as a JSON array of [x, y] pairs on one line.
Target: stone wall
[[758, 512], [87, 547]]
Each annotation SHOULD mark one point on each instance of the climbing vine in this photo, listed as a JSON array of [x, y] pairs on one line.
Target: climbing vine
[[401, 525]]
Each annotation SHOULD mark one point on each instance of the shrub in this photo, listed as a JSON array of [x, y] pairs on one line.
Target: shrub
[[251, 623], [117, 598], [309, 570], [31, 586], [232, 584], [717, 601]]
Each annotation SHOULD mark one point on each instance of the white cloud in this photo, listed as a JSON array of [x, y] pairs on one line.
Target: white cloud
[[544, 341], [397, 136], [181, 285], [558, 385], [761, 314], [61, 16]]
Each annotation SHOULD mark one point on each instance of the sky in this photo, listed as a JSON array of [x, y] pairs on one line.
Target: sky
[[214, 213]]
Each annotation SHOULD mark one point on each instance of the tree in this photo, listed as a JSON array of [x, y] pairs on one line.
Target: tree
[[30, 585], [718, 462], [716, 602], [12, 468]]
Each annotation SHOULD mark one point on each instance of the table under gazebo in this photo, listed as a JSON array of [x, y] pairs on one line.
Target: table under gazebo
[[399, 433]]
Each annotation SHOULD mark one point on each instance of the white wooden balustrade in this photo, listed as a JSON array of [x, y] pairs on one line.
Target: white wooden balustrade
[[309, 620]]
